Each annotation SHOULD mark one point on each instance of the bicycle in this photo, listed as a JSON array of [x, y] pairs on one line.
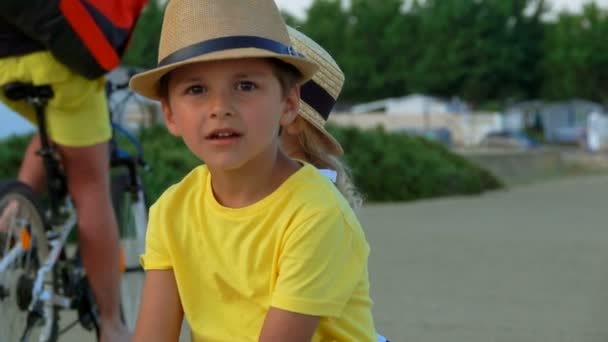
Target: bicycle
[[130, 203], [40, 274]]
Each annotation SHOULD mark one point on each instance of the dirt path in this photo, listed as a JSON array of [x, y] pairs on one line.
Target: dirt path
[[525, 265], [529, 264]]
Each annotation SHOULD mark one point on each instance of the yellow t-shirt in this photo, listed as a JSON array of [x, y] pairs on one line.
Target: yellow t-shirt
[[300, 249]]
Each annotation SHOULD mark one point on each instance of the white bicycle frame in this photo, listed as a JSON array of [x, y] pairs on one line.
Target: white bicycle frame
[[141, 218]]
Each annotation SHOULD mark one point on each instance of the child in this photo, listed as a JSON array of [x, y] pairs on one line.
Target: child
[[252, 245], [306, 138]]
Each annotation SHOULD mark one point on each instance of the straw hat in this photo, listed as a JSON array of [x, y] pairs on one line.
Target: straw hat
[[206, 30], [319, 95]]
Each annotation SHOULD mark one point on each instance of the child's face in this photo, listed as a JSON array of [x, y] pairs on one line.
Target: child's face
[[228, 112]]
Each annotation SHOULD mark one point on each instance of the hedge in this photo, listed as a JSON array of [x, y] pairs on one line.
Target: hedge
[[398, 167]]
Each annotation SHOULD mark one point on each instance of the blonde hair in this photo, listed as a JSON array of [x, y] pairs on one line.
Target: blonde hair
[[316, 153]]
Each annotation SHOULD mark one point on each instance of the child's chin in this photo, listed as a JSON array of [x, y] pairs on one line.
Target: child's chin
[[220, 164]]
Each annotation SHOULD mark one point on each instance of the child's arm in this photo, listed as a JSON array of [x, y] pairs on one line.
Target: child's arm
[[281, 325], [161, 312], [323, 261]]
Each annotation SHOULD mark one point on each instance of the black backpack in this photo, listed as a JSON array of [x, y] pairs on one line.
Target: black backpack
[[89, 36]]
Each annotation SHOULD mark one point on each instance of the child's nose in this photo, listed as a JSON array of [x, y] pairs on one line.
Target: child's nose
[[221, 104]]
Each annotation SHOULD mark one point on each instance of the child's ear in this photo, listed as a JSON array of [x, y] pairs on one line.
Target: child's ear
[[295, 127], [292, 106], [168, 116]]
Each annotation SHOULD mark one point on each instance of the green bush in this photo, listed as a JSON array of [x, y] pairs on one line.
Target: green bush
[[385, 167], [169, 160], [398, 167], [11, 154]]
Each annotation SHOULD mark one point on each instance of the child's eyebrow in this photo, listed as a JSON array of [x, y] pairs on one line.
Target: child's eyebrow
[[250, 74], [186, 80], [189, 79]]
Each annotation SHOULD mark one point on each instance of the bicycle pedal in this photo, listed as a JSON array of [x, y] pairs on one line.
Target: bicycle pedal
[[86, 321]]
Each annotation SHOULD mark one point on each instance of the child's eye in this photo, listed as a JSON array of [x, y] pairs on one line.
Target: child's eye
[[194, 90], [246, 86]]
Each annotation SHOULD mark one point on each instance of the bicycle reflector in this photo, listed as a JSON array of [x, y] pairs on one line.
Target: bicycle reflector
[[123, 260], [25, 238]]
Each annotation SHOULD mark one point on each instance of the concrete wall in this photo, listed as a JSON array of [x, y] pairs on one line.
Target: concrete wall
[[515, 167]]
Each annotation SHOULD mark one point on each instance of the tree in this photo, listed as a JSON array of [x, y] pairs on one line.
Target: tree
[[482, 50], [290, 19], [576, 62], [382, 41], [327, 24], [364, 41], [479, 49], [143, 51]]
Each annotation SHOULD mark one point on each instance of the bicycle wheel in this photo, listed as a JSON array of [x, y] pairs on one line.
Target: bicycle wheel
[[132, 214], [23, 250]]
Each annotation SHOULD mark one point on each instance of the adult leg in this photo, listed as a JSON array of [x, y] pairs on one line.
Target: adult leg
[[31, 171], [87, 171]]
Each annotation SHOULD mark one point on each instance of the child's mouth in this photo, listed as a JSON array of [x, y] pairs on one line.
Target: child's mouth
[[223, 135]]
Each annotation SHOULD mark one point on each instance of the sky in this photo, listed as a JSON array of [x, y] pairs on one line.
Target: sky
[[298, 7], [11, 123]]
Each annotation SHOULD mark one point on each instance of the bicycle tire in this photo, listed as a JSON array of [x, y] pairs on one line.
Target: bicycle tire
[[128, 215], [19, 208]]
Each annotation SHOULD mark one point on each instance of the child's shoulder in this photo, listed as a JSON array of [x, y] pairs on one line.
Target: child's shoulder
[[316, 202], [317, 191], [194, 181]]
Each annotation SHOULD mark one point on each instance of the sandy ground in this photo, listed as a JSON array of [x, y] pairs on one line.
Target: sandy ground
[[529, 264], [526, 264]]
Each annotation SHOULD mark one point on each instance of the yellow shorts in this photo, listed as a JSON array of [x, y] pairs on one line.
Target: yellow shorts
[[77, 115]]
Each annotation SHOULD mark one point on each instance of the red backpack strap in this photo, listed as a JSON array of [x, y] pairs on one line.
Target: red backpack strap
[[90, 34], [121, 14]]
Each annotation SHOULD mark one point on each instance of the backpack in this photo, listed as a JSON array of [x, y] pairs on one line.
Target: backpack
[[88, 36]]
